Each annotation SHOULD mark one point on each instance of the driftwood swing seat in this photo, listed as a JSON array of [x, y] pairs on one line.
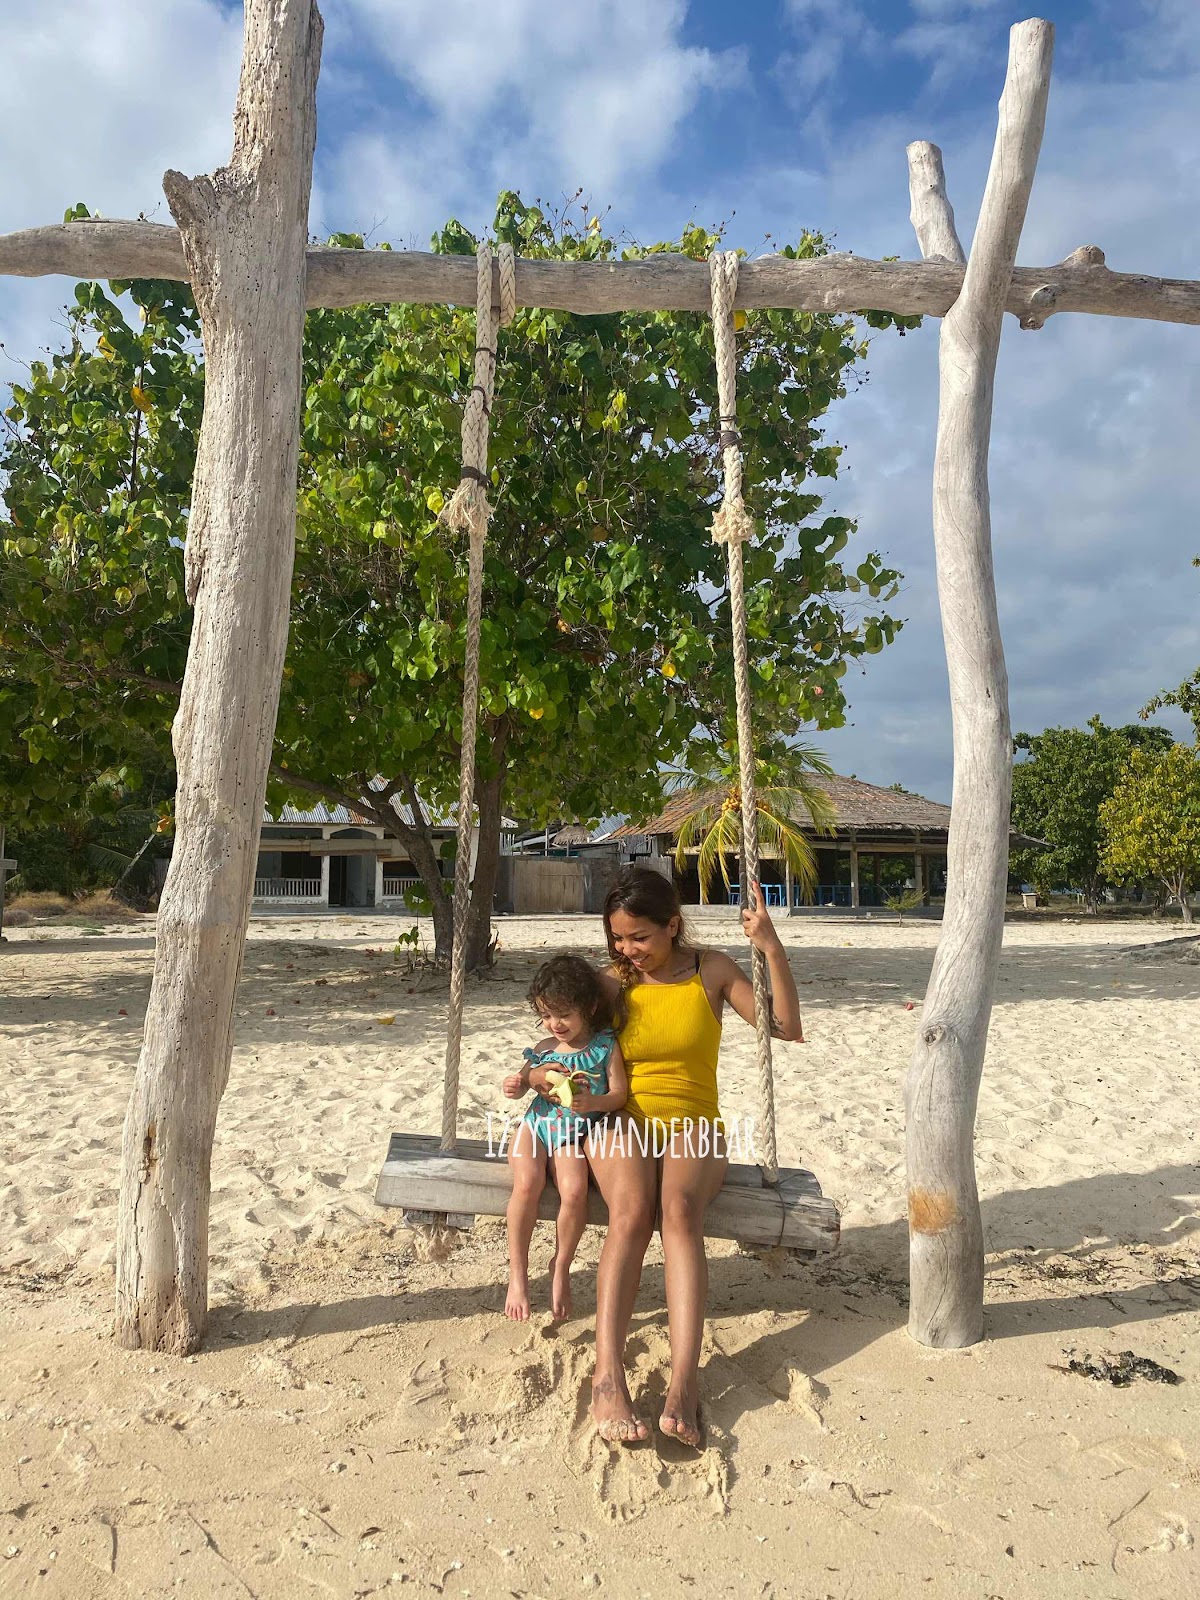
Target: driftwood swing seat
[[448, 1180], [455, 1186]]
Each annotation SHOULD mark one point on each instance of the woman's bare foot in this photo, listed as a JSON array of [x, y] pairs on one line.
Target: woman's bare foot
[[516, 1307], [681, 1414], [561, 1302], [612, 1412]]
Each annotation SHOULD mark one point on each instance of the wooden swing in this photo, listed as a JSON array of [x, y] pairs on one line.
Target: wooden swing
[[449, 1181]]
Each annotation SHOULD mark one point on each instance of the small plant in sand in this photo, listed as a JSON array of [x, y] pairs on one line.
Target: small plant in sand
[[412, 954], [903, 900]]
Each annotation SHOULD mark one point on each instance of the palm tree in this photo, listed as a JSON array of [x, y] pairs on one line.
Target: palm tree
[[786, 798]]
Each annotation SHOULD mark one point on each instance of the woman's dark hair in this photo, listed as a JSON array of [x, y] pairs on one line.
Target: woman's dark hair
[[642, 892], [574, 984]]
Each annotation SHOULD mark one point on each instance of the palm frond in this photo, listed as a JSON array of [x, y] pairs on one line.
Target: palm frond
[[103, 859], [782, 834], [723, 839]]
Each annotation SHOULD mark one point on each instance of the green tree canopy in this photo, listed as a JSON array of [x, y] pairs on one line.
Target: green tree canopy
[[606, 614], [1186, 696], [1057, 794], [1151, 823]]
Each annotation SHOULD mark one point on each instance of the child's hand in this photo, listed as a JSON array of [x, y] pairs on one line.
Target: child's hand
[[583, 1101], [513, 1087], [539, 1082]]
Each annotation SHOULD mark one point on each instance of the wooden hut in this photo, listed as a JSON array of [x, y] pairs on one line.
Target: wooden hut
[[878, 832]]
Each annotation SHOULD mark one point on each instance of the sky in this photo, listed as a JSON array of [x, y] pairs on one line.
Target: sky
[[772, 116]]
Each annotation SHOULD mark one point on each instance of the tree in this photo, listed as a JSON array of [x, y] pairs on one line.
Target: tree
[[1186, 696], [786, 793], [1151, 823], [1057, 795], [104, 842], [94, 626], [606, 613]]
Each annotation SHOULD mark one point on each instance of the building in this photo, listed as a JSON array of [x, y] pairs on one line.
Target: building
[[879, 834], [335, 856]]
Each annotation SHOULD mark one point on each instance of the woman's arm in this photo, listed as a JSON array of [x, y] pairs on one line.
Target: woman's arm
[[738, 989], [588, 1104]]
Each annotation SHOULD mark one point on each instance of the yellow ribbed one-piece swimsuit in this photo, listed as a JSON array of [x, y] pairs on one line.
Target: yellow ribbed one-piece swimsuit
[[670, 1042]]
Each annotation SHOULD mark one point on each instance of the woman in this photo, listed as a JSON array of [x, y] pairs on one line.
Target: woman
[[671, 997]]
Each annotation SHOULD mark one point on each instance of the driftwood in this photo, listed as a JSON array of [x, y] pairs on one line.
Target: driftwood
[[102, 249], [945, 1228], [469, 1182], [243, 231], [931, 213]]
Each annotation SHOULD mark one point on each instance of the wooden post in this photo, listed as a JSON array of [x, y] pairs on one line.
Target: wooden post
[[244, 235], [855, 897], [945, 1228], [787, 884], [3, 878], [920, 876]]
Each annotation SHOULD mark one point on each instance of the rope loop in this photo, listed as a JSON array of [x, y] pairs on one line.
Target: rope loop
[[732, 523]]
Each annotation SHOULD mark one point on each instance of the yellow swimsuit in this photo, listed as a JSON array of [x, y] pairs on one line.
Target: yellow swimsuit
[[670, 1042]]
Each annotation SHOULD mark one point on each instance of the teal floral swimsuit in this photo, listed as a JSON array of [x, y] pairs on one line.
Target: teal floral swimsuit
[[553, 1125]]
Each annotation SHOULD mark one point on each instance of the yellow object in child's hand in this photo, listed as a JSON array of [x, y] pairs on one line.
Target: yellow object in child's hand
[[561, 1087]]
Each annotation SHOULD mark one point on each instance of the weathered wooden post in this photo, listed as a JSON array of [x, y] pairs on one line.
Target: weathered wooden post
[[945, 1228], [5, 867], [244, 232]]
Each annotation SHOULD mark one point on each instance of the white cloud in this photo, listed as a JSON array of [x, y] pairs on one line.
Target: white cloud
[[560, 95], [105, 97], [1095, 477], [99, 100]]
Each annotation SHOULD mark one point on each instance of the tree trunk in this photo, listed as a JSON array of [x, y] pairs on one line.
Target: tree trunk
[[422, 852], [1179, 889], [489, 800], [244, 235], [487, 865], [945, 1227]]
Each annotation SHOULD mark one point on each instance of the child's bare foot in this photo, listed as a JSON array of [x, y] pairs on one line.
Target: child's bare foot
[[681, 1414], [612, 1412], [561, 1302], [516, 1307]]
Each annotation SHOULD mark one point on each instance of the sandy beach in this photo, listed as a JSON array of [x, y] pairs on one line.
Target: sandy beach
[[362, 1419]]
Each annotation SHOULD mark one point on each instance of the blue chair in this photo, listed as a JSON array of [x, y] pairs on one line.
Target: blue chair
[[774, 893], [735, 894]]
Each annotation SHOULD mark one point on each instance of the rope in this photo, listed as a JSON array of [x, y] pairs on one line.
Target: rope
[[468, 511], [732, 526]]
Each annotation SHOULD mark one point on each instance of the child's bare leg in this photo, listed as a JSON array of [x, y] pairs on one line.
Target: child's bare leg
[[570, 1170], [527, 1162]]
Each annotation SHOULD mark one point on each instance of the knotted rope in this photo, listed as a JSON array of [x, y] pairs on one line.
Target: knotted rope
[[732, 526], [468, 511]]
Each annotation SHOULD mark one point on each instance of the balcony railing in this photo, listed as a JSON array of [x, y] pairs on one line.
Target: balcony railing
[[397, 888], [287, 888]]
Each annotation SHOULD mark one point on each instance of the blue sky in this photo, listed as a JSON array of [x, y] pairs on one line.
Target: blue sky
[[775, 115]]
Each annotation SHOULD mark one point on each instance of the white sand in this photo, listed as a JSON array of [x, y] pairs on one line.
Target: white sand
[[360, 1418]]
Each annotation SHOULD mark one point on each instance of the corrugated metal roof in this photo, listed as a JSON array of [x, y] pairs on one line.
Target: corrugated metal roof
[[321, 814]]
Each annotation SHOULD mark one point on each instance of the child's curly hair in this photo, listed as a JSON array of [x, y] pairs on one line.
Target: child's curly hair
[[574, 984]]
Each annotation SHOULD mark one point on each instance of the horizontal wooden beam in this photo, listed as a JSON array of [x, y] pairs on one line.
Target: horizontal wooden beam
[[97, 248]]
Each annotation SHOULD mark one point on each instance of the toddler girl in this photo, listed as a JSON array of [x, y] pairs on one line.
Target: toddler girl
[[581, 1049]]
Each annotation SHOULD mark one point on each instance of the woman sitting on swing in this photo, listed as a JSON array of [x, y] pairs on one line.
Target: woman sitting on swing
[[671, 997]]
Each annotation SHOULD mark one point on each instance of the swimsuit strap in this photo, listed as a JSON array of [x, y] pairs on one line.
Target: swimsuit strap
[[587, 1055]]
